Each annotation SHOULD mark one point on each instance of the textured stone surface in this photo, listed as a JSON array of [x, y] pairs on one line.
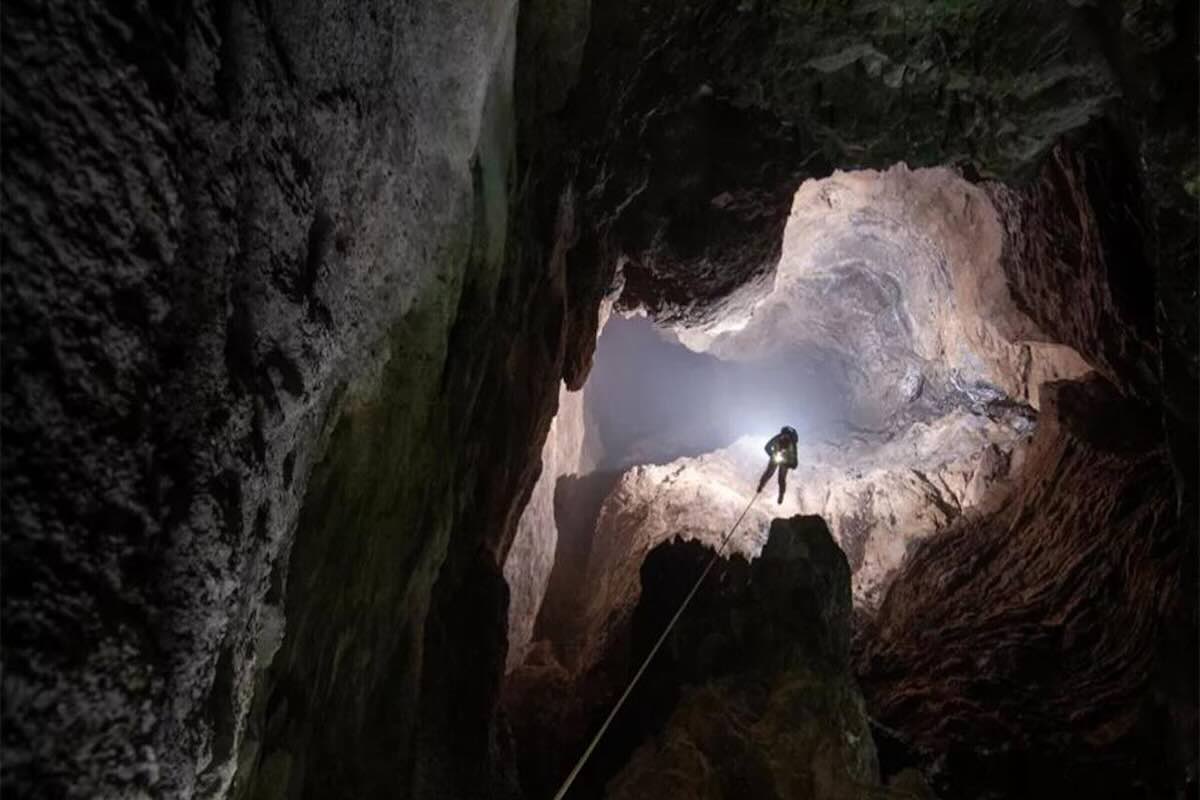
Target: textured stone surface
[[240, 240], [882, 498], [879, 495], [896, 277], [693, 126], [767, 709], [531, 556], [1050, 648], [1088, 228], [734, 105], [1070, 235]]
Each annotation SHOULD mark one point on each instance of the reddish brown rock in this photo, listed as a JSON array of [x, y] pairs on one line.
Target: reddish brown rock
[[1045, 649]]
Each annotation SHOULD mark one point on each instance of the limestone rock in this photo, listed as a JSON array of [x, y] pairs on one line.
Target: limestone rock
[[227, 226], [779, 715], [1055, 632], [915, 260]]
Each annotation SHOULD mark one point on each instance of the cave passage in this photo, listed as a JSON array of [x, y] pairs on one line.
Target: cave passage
[[653, 400], [884, 335]]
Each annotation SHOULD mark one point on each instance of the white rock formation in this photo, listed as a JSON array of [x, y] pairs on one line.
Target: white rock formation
[[531, 557], [898, 274]]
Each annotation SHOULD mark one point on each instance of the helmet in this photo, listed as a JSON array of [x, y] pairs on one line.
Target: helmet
[[790, 431]]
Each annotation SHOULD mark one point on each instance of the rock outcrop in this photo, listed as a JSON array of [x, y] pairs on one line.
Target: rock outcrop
[[881, 496], [1049, 648], [768, 706]]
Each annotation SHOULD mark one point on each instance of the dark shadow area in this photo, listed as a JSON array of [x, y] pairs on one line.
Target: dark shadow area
[[655, 400]]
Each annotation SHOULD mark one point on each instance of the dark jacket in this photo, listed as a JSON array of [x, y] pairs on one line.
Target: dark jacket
[[785, 446]]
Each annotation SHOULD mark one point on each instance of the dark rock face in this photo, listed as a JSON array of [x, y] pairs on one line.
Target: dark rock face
[[1050, 649], [1074, 232], [769, 708], [751, 694], [1085, 229], [705, 118], [255, 283]]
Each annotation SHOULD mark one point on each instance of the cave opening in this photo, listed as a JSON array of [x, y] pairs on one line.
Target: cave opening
[[885, 334], [652, 400]]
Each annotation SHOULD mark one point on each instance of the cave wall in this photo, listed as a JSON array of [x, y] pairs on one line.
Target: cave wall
[[531, 556], [692, 127], [1049, 648], [1087, 229], [255, 279], [1060, 629], [898, 277], [731, 107], [1003, 90]]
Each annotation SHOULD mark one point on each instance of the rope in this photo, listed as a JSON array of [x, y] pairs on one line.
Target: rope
[[562, 792]]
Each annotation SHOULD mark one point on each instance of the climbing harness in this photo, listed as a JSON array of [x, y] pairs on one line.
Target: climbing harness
[[562, 792]]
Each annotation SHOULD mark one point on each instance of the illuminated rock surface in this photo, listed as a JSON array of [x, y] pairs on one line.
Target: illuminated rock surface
[[896, 276], [879, 496], [531, 557]]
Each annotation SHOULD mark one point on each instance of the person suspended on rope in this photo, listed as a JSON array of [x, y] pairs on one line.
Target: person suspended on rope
[[782, 450]]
